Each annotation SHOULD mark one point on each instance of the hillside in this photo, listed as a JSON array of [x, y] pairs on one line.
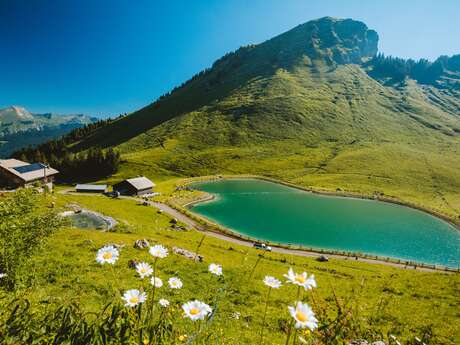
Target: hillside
[[74, 299], [20, 128], [312, 106]]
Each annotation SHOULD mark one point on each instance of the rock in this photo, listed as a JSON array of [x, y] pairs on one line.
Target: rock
[[378, 343], [178, 227], [188, 254], [140, 244], [359, 342], [132, 263], [173, 221], [322, 258]]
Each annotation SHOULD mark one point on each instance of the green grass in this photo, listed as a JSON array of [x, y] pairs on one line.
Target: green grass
[[65, 272]]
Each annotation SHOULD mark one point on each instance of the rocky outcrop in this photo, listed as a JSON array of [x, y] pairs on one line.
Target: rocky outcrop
[[188, 254]]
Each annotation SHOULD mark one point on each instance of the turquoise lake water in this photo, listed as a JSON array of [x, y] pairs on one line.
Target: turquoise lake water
[[277, 213]]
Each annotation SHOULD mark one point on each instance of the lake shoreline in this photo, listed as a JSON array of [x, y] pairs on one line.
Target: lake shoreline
[[230, 234], [342, 194]]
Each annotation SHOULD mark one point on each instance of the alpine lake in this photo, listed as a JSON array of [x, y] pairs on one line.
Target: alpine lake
[[277, 213]]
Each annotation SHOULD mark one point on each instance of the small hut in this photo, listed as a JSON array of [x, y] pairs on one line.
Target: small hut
[[134, 186], [91, 188]]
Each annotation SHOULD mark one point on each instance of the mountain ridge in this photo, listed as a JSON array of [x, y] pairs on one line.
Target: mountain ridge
[[21, 128]]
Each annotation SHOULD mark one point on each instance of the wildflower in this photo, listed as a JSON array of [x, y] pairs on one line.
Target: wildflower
[[134, 297], [236, 315], [304, 316], [215, 269], [272, 282], [301, 279], [144, 269], [3, 275], [107, 255], [146, 342], [182, 338], [175, 283], [157, 282], [164, 302], [158, 251], [196, 310]]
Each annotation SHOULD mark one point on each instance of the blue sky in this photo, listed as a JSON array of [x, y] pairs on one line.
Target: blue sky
[[106, 57]]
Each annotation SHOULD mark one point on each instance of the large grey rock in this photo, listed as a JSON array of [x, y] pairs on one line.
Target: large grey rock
[[141, 244], [188, 254]]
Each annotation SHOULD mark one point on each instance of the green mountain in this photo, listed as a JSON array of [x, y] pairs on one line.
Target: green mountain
[[314, 106], [20, 128]]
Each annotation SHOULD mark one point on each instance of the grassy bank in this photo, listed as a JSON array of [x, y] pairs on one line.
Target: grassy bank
[[384, 299]]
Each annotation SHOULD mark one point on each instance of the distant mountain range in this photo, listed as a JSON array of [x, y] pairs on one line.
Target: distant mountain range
[[20, 128], [317, 106]]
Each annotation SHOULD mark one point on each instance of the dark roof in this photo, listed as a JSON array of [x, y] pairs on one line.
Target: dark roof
[[31, 167]]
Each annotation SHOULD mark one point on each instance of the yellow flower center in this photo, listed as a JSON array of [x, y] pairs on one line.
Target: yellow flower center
[[300, 279], [107, 255], [302, 317], [134, 300], [194, 311]]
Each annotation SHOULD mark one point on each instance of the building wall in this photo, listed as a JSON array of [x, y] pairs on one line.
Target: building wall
[[126, 188], [145, 191], [8, 179]]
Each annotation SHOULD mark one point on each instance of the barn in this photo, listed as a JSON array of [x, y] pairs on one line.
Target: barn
[[134, 186], [91, 188], [15, 173]]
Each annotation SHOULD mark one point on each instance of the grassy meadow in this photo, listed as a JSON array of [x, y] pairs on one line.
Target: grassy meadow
[[352, 299]]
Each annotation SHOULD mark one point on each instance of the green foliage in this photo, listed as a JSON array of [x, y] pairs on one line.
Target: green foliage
[[92, 164], [24, 227], [424, 71], [353, 299]]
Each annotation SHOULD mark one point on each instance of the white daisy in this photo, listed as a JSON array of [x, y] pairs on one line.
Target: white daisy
[[164, 302], [107, 255], [134, 297], [157, 282], [196, 310], [303, 316], [144, 269], [175, 283], [215, 269], [158, 251], [301, 279], [272, 282], [3, 275]]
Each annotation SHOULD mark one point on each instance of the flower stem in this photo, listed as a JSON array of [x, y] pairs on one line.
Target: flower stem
[[265, 315], [289, 334]]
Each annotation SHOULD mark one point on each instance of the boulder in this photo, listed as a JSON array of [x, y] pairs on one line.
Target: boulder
[[359, 342], [141, 244], [132, 263], [188, 254]]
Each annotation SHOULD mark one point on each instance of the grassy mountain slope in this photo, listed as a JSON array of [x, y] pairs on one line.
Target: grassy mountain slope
[[302, 107]]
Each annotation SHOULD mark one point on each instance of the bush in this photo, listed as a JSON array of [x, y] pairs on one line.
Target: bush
[[24, 227]]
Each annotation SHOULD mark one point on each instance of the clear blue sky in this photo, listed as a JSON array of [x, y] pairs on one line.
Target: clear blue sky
[[105, 57]]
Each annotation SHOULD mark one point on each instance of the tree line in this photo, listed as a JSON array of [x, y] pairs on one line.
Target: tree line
[[92, 164], [423, 71]]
